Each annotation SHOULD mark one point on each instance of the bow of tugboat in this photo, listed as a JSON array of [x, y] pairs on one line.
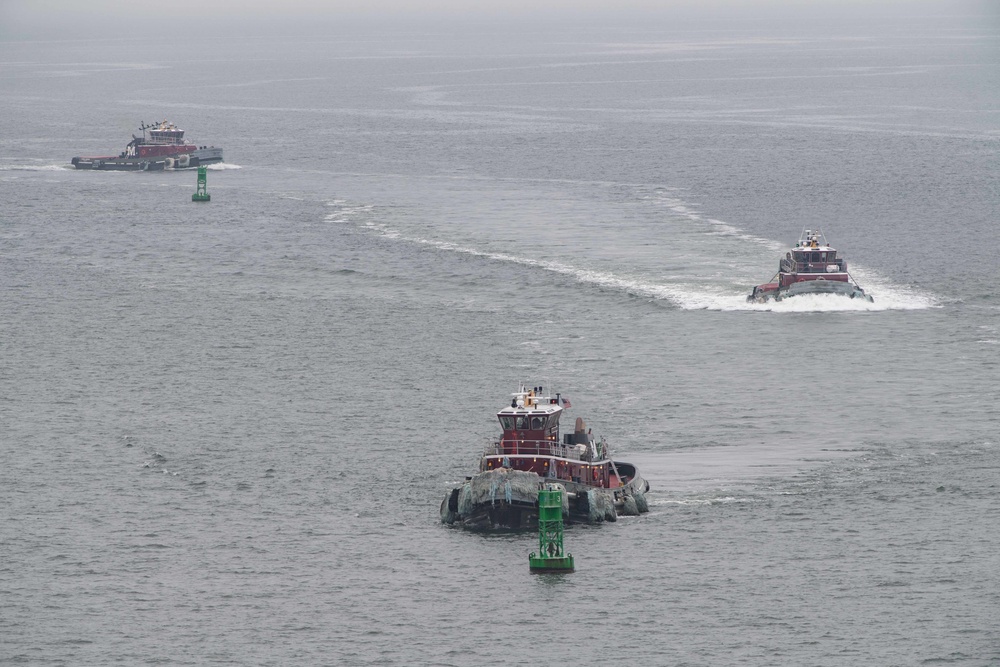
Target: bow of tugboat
[[811, 267]]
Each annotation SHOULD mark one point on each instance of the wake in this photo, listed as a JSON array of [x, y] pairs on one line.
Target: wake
[[684, 293], [35, 167]]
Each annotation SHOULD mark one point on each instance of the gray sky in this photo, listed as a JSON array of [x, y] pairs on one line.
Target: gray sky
[[32, 19]]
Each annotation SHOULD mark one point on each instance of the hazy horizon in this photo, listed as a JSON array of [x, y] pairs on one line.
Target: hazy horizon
[[63, 19]]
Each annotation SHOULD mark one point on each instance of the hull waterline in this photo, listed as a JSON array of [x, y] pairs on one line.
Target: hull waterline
[[191, 160]]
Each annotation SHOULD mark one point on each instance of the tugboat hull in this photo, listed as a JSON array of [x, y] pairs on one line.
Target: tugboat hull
[[530, 457], [840, 288], [164, 148], [811, 267], [507, 500], [191, 160]]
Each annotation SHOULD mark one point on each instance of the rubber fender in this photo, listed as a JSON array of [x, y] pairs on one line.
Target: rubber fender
[[447, 516], [640, 503]]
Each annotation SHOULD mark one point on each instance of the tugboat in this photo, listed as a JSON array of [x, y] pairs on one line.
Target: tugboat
[[165, 148], [530, 456], [811, 267]]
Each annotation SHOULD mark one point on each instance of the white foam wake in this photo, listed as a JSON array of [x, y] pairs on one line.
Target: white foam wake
[[722, 297], [35, 167], [222, 166], [606, 279], [685, 294], [886, 298]]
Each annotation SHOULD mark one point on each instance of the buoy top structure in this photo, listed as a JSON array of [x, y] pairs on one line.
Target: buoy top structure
[[202, 193], [551, 556]]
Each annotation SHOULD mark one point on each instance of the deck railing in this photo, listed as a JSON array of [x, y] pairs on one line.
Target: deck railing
[[811, 267], [537, 448]]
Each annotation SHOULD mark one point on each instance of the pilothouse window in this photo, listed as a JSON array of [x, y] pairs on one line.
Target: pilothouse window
[[522, 423], [537, 423], [507, 423]]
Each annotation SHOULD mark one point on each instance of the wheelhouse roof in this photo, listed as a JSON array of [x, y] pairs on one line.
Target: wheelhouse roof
[[537, 409]]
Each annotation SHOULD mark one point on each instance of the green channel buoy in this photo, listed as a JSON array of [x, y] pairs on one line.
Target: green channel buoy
[[202, 193], [551, 557]]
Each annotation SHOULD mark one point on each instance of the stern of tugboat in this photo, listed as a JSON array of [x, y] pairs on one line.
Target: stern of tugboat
[[531, 454]]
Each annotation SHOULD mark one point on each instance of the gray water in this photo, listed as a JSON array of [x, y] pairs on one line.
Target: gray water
[[226, 428]]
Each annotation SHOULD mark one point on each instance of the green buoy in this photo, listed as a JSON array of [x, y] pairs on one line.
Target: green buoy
[[551, 557], [202, 193]]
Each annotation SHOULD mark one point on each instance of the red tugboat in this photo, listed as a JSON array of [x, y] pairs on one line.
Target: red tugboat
[[165, 148], [811, 267], [503, 495]]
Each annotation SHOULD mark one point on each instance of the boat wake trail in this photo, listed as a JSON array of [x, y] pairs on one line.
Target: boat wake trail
[[725, 295], [687, 292], [222, 166], [36, 167], [606, 279]]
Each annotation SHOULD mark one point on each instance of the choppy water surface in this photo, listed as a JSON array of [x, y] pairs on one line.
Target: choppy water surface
[[226, 428]]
